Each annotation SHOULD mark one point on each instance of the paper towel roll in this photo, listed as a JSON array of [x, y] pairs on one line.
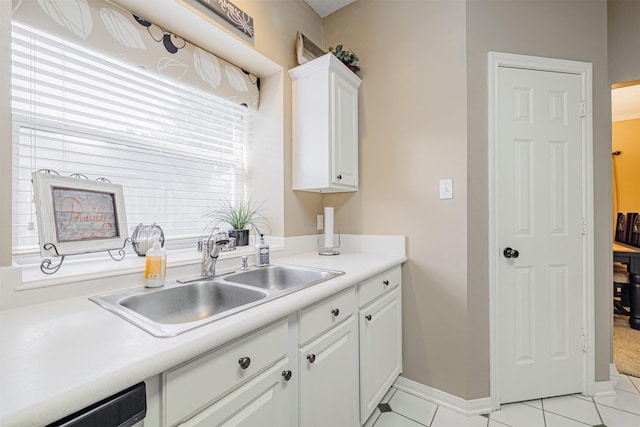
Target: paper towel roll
[[328, 227]]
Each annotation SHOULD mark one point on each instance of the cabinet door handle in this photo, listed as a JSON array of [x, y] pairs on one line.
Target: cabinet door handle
[[368, 317], [385, 282], [244, 362], [311, 358], [339, 177], [335, 312], [286, 375]]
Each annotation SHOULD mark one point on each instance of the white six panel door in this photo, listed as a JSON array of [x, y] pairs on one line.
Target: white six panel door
[[540, 292]]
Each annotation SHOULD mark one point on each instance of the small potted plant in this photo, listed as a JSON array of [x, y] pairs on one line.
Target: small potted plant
[[242, 216], [347, 56]]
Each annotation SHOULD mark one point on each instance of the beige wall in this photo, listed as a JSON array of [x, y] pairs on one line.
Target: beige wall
[[575, 30], [276, 23], [413, 133], [424, 117], [626, 139], [623, 40]]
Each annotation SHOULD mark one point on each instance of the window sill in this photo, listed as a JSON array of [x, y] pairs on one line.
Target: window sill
[[181, 262]]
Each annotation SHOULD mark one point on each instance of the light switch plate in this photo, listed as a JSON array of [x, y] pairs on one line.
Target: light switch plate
[[320, 222], [446, 188]]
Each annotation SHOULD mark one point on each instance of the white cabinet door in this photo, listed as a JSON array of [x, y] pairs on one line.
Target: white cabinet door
[[344, 132], [380, 350], [325, 126], [262, 402], [328, 378]]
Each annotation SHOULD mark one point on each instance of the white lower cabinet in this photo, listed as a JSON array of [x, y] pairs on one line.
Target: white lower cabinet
[[328, 382], [328, 364], [199, 387], [262, 402], [380, 325]]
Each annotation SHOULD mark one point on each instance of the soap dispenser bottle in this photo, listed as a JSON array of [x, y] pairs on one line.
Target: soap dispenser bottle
[[262, 253], [155, 271]]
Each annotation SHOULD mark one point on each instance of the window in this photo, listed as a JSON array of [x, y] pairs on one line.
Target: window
[[176, 150]]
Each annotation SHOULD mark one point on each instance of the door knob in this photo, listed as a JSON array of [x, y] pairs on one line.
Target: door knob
[[311, 358], [339, 177], [286, 375], [510, 253], [335, 312]]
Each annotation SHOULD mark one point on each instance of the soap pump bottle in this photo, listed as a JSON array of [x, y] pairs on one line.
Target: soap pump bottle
[[156, 265], [262, 253]]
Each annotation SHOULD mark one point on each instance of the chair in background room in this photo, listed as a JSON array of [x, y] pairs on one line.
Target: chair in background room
[[634, 231], [628, 233], [620, 289]]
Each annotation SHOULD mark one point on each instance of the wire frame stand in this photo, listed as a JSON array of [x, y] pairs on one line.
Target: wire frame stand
[[48, 267]]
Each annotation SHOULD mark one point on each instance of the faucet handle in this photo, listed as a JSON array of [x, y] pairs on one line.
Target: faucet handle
[[244, 266]]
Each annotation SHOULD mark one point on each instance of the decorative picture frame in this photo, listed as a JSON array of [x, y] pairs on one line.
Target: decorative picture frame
[[232, 14], [78, 216], [306, 50]]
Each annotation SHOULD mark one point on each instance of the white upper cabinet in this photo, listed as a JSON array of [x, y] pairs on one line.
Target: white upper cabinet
[[325, 126]]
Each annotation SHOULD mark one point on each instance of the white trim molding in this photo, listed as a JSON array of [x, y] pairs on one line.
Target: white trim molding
[[584, 70], [439, 397], [607, 388]]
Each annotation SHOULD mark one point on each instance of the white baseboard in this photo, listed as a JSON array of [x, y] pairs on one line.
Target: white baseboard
[[607, 388], [449, 401], [603, 389], [613, 373]]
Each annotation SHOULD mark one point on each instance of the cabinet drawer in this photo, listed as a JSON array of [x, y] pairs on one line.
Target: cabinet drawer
[[191, 387], [322, 316], [263, 401], [372, 288]]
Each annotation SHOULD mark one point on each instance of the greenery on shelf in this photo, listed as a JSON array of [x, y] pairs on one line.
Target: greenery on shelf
[[347, 56]]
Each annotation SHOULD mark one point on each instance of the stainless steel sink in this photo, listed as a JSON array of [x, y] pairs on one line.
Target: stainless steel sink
[[281, 278], [176, 308], [192, 302]]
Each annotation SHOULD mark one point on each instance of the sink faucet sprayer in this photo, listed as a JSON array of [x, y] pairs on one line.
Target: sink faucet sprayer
[[210, 249]]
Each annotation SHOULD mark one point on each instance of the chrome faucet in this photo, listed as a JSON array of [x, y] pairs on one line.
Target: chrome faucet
[[210, 249]]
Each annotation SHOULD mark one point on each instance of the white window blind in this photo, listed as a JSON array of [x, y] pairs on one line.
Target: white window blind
[[176, 150]]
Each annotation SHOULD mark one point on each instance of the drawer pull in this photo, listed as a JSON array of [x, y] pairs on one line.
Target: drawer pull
[[335, 312], [339, 177], [244, 362], [311, 358], [368, 317], [385, 282], [286, 375]]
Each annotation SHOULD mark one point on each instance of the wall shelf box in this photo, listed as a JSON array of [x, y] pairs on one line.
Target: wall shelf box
[[325, 126]]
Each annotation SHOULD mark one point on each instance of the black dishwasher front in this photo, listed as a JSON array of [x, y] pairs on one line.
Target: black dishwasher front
[[123, 409]]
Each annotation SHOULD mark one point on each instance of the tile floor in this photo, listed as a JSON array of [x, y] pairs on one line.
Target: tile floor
[[401, 409]]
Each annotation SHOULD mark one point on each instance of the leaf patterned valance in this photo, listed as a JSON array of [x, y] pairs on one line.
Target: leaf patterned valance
[[103, 27]]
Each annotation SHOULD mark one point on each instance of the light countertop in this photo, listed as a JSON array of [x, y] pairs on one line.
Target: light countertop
[[62, 356]]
